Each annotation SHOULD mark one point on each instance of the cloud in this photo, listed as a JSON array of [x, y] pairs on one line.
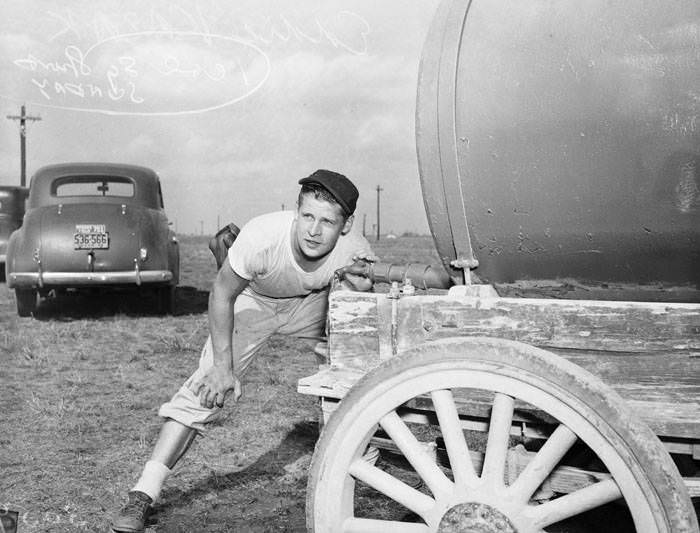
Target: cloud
[[343, 81], [16, 45], [139, 145], [386, 134], [340, 94]]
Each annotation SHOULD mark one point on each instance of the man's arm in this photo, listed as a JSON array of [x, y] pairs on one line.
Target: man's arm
[[220, 379]]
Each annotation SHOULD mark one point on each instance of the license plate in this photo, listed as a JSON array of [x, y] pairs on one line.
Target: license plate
[[90, 236]]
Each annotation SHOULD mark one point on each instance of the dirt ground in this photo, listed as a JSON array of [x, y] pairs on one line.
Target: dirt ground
[[80, 386]]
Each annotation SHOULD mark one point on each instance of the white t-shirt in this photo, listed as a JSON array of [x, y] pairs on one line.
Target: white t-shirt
[[262, 254]]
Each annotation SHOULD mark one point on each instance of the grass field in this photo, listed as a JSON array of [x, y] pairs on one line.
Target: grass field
[[81, 386]]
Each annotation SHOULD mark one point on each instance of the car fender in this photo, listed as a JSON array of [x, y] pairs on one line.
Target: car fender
[[22, 246]]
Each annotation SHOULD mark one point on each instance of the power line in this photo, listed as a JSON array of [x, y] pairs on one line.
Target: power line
[[23, 117]]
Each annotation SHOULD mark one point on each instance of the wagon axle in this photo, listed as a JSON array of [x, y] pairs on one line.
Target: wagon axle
[[475, 518]]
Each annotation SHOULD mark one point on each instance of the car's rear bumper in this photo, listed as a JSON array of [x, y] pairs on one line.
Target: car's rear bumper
[[80, 279]]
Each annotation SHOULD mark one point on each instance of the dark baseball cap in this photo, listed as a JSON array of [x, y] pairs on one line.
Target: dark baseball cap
[[340, 187]]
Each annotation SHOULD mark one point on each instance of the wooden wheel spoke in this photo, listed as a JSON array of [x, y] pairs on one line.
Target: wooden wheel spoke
[[455, 443], [572, 504], [415, 453], [394, 488], [368, 525], [542, 465], [497, 443], [640, 474]]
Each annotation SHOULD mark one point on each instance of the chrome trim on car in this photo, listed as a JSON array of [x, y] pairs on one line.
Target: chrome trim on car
[[3, 258], [75, 279], [40, 273], [137, 272]]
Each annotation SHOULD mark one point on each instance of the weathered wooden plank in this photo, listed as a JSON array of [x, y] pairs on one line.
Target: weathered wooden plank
[[650, 369], [640, 327], [329, 382], [673, 419], [572, 289], [564, 479], [663, 387], [353, 329], [625, 327], [693, 485], [648, 352]]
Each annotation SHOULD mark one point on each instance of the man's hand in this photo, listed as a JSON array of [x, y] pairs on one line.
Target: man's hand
[[214, 386], [356, 276], [368, 258], [356, 282]]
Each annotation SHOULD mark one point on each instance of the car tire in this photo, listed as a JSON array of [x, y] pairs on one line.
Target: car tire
[[26, 301], [166, 300]]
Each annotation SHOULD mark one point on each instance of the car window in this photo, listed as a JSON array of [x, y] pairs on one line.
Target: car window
[[93, 186]]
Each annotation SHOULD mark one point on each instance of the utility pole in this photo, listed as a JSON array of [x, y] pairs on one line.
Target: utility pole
[[23, 117], [379, 190], [201, 227], [364, 225]]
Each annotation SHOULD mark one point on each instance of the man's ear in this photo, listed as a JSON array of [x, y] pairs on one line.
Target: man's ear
[[348, 225]]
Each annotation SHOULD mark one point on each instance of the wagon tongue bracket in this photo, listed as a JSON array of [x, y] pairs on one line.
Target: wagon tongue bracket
[[475, 517]]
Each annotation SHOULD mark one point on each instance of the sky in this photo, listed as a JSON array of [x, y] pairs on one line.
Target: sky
[[231, 102]]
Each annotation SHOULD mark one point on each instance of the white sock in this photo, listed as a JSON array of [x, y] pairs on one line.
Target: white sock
[[152, 479]]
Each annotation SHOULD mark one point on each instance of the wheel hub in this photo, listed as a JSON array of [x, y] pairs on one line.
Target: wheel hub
[[474, 517]]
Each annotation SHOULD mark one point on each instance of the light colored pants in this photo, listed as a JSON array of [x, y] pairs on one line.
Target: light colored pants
[[256, 318]]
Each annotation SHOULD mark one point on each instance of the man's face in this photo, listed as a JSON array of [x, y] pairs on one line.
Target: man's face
[[319, 224]]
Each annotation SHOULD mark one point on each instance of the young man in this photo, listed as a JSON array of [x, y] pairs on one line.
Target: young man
[[275, 279]]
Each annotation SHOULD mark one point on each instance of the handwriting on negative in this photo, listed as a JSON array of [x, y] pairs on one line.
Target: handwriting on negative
[[151, 71], [169, 71]]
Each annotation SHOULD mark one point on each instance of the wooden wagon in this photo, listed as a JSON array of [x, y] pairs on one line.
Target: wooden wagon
[[561, 176]]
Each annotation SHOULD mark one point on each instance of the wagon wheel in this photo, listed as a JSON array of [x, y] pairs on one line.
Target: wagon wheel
[[642, 471], [26, 301]]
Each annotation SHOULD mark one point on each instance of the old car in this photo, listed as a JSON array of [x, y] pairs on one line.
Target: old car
[[12, 201], [93, 225]]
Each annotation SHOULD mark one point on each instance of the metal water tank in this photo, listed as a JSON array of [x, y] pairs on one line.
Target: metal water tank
[[561, 139]]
